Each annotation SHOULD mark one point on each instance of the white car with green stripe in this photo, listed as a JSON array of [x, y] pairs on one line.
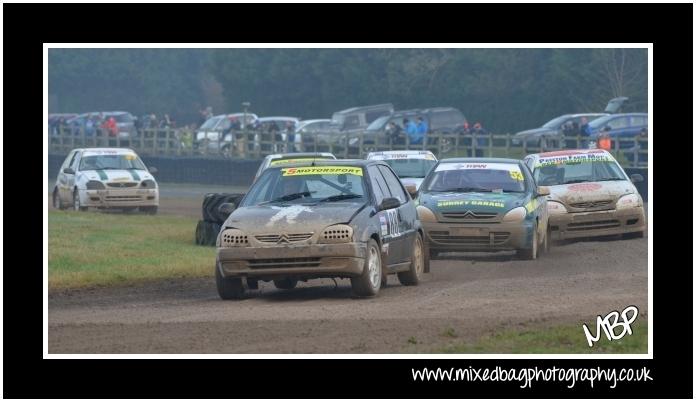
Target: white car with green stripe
[[105, 178]]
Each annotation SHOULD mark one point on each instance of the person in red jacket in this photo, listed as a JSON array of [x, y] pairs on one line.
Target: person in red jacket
[[110, 126]]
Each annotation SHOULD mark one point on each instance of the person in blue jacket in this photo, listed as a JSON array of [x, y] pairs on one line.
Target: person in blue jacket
[[412, 132]]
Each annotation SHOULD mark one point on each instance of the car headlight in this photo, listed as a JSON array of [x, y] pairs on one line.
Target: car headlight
[[425, 214], [336, 234], [629, 201], [148, 184], [233, 238], [95, 185], [556, 208], [515, 215]]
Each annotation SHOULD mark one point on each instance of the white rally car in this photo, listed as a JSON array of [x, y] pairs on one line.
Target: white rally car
[[410, 166], [105, 178]]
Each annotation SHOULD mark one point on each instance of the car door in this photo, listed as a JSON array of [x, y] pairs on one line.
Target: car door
[[402, 219], [539, 202], [381, 191], [74, 164]]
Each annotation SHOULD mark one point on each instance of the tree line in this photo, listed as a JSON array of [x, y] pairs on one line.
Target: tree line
[[505, 89]]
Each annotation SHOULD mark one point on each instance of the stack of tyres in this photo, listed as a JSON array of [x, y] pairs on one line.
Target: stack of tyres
[[209, 227]]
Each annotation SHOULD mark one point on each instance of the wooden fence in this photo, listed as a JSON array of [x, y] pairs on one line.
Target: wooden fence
[[629, 151]]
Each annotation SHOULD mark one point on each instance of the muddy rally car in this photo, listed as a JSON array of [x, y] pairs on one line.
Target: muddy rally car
[[591, 195], [327, 219], [477, 204], [105, 178]]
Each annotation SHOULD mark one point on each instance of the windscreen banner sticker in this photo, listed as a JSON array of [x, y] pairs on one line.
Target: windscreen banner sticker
[[510, 167], [297, 160], [129, 157], [313, 170], [478, 203], [573, 159], [403, 156]]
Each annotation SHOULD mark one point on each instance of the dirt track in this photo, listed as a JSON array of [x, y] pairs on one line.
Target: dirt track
[[474, 295]]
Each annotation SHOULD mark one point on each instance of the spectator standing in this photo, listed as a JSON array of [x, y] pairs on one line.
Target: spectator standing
[[412, 132], [584, 126], [422, 126]]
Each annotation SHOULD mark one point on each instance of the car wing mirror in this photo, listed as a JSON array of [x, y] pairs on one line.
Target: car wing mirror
[[543, 191], [636, 178], [68, 171], [227, 208], [389, 203], [152, 169]]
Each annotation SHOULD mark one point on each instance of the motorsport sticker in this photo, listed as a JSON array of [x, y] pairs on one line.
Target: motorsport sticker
[[573, 159], [310, 170], [285, 161], [129, 157], [478, 203], [531, 205]]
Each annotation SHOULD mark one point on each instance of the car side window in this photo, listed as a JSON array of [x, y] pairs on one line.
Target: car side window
[[394, 185], [68, 160], [73, 161], [379, 186]]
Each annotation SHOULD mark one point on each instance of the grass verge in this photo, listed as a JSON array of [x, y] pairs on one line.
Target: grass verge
[[104, 249], [558, 339]]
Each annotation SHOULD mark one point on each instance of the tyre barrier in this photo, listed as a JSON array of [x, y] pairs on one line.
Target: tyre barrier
[[209, 227]]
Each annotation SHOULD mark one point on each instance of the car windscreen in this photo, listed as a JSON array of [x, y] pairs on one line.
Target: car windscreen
[[580, 168], [378, 124], [307, 185], [114, 161], [123, 118], [555, 123], [601, 122], [407, 168], [210, 123], [476, 177]]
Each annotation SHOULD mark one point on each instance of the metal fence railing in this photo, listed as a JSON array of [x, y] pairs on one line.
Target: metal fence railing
[[629, 151]]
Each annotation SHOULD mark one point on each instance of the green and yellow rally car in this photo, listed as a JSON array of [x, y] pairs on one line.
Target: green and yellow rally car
[[483, 204]]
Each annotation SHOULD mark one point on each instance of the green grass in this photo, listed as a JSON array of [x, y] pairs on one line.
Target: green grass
[[99, 249], [558, 339]]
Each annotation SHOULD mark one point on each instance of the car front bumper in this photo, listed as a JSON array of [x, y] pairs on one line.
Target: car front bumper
[[442, 236], [301, 261], [119, 198], [598, 223]]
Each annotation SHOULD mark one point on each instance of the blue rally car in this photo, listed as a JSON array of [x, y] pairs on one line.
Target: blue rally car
[[483, 204]]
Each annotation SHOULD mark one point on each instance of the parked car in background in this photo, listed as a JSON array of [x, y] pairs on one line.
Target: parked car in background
[[215, 132], [567, 124], [125, 123], [446, 120], [320, 131], [410, 166], [358, 118], [620, 125]]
